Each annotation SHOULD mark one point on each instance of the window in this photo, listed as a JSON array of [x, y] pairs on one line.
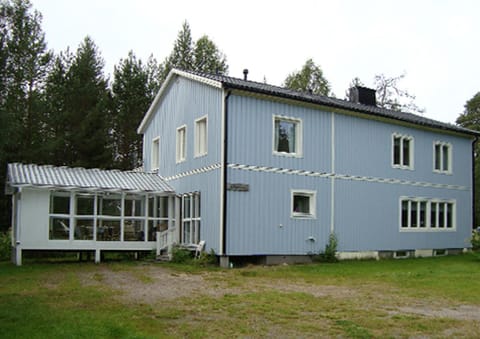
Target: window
[[303, 204], [85, 210], [134, 215], [287, 136], [402, 151], [158, 215], [109, 209], [181, 150], [155, 154], [108, 216], [431, 214], [201, 137], [442, 154], [191, 218], [59, 224]]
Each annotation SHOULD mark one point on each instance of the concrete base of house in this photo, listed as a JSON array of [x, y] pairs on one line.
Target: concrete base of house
[[240, 261]]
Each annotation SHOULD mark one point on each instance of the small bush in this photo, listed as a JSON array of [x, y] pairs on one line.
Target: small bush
[[181, 255], [329, 254], [475, 240], [207, 259], [5, 245]]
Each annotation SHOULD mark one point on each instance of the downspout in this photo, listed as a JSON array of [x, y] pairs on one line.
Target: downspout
[[473, 181], [225, 170]]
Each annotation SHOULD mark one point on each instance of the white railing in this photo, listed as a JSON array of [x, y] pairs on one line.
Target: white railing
[[165, 239]]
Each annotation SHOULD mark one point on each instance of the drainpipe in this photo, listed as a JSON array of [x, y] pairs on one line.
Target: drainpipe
[[225, 170], [473, 182]]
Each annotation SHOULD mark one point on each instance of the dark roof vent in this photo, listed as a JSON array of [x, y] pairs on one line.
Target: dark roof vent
[[245, 74], [362, 95]]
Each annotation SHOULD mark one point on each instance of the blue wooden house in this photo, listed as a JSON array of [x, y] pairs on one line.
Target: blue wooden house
[[265, 172]]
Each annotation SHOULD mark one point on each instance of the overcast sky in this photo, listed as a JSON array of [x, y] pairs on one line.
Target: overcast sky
[[436, 43]]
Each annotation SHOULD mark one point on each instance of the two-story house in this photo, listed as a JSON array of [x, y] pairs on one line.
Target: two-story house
[[260, 173], [263, 171]]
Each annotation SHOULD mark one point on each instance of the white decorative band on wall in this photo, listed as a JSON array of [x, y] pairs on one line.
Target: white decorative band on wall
[[193, 172], [344, 176]]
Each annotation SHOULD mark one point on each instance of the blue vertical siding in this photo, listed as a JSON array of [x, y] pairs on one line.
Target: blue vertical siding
[[364, 147], [367, 217], [259, 222], [366, 214], [183, 102], [250, 140]]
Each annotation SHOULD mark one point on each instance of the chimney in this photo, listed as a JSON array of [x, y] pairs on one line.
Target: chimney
[[245, 74], [362, 95]]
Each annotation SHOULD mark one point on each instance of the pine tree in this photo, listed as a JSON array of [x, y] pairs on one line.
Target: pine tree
[[134, 87], [24, 62], [182, 54], [87, 109], [208, 57], [203, 56]]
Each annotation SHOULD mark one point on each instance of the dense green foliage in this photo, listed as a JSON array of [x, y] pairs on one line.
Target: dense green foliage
[[61, 109], [330, 252], [309, 79], [5, 245]]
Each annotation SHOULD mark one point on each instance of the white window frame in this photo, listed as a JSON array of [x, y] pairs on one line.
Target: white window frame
[[312, 195], [155, 154], [411, 150], [199, 152], [192, 222], [181, 145], [428, 217], [442, 170], [298, 136]]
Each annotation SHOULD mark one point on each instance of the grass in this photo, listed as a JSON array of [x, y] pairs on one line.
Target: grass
[[355, 299]]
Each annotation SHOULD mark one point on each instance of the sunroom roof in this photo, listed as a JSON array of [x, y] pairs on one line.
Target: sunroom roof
[[47, 176]]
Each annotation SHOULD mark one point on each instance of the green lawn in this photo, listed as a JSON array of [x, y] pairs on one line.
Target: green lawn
[[435, 297]]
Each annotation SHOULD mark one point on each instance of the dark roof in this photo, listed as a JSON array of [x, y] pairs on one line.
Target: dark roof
[[31, 175], [262, 88]]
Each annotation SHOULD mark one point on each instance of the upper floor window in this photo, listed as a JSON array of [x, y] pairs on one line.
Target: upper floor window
[[155, 153], [402, 151], [201, 137], [181, 145], [287, 136], [442, 154]]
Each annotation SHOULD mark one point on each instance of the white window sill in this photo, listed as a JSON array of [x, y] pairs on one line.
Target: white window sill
[[410, 168], [287, 155], [200, 155], [428, 230], [302, 216], [442, 172]]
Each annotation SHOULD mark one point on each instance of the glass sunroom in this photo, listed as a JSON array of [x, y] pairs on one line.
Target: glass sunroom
[[77, 209]]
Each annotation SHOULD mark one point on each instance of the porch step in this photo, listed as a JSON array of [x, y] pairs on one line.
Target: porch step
[[163, 257]]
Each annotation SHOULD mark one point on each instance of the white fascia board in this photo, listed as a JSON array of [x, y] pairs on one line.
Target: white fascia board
[[173, 73]]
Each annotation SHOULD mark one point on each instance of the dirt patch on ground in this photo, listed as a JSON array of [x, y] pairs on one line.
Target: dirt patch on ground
[[152, 284]]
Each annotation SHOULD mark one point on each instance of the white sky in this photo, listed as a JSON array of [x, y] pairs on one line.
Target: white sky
[[434, 41]]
